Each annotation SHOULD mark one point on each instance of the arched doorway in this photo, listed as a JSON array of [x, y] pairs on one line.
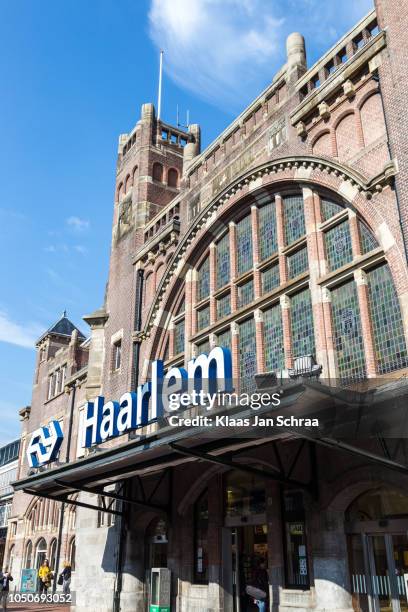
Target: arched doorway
[[40, 552], [377, 528]]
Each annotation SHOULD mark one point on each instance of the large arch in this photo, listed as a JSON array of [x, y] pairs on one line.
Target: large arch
[[288, 178]]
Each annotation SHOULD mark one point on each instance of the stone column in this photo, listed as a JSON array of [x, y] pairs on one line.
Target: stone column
[[235, 351], [189, 313], [213, 304], [260, 344], [329, 334], [313, 252], [286, 325], [362, 289], [276, 563], [255, 251], [233, 264], [329, 559], [280, 234], [354, 233]]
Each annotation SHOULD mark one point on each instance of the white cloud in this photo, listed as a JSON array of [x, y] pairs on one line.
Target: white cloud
[[79, 248], [227, 51], [78, 224], [20, 334]]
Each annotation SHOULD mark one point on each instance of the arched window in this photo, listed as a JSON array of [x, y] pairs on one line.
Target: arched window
[[253, 283], [157, 172], [72, 553], [40, 552], [53, 553], [127, 183], [28, 559], [134, 173], [11, 558], [120, 191], [172, 178]]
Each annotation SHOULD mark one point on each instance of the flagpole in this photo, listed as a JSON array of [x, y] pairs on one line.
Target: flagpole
[[160, 85]]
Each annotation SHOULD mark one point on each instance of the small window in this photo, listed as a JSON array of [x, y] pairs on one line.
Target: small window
[[157, 172], [374, 30], [315, 82], [173, 138], [343, 56], [245, 294], [359, 42], [172, 178], [117, 355], [164, 134], [331, 67]]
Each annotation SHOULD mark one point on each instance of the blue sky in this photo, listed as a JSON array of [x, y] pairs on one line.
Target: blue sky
[[74, 74]]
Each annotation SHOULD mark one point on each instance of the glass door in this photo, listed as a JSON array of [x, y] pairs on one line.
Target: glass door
[[382, 577], [400, 556], [379, 572]]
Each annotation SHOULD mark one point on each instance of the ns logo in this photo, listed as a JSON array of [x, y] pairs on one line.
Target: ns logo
[[44, 444]]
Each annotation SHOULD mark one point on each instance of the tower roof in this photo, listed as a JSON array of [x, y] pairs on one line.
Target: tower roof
[[63, 327]]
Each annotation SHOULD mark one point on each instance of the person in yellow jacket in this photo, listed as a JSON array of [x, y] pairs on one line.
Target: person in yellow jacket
[[45, 576]]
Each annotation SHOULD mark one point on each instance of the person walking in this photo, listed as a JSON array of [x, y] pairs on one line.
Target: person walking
[[66, 578], [45, 576], [262, 582], [5, 580]]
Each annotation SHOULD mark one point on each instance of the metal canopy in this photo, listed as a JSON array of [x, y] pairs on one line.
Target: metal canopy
[[168, 447]]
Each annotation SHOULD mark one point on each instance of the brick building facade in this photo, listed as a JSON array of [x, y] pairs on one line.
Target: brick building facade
[[284, 238]]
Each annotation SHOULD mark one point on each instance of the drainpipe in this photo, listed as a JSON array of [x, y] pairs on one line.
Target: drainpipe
[[136, 327], [376, 78], [127, 484], [61, 518]]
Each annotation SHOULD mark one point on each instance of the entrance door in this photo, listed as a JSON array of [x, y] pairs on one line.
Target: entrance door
[[379, 565], [249, 564]]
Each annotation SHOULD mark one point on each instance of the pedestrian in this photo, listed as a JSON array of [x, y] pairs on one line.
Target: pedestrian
[[5, 580], [45, 576], [262, 583], [66, 578]]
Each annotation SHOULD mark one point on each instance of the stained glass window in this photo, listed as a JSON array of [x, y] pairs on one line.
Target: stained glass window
[[368, 242], [294, 218], [224, 339], [348, 336], [244, 245], [303, 342], [297, 263], [203, 318], [245, 293], [273, 337], [247, 354], [223, 261], [223, 306], [389, 339], [329, 209], [203, 347], [270, 278], [267, 231], [203, 280], [338, 246], [179, 337], [181, 308]]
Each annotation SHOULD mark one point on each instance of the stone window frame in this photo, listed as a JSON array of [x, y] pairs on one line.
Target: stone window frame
[[116, 343]]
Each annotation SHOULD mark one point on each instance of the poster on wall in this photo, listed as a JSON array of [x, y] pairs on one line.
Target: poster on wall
[[28, 580]]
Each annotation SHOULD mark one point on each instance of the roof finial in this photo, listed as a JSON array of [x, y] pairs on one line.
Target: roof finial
[[64, 314]]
